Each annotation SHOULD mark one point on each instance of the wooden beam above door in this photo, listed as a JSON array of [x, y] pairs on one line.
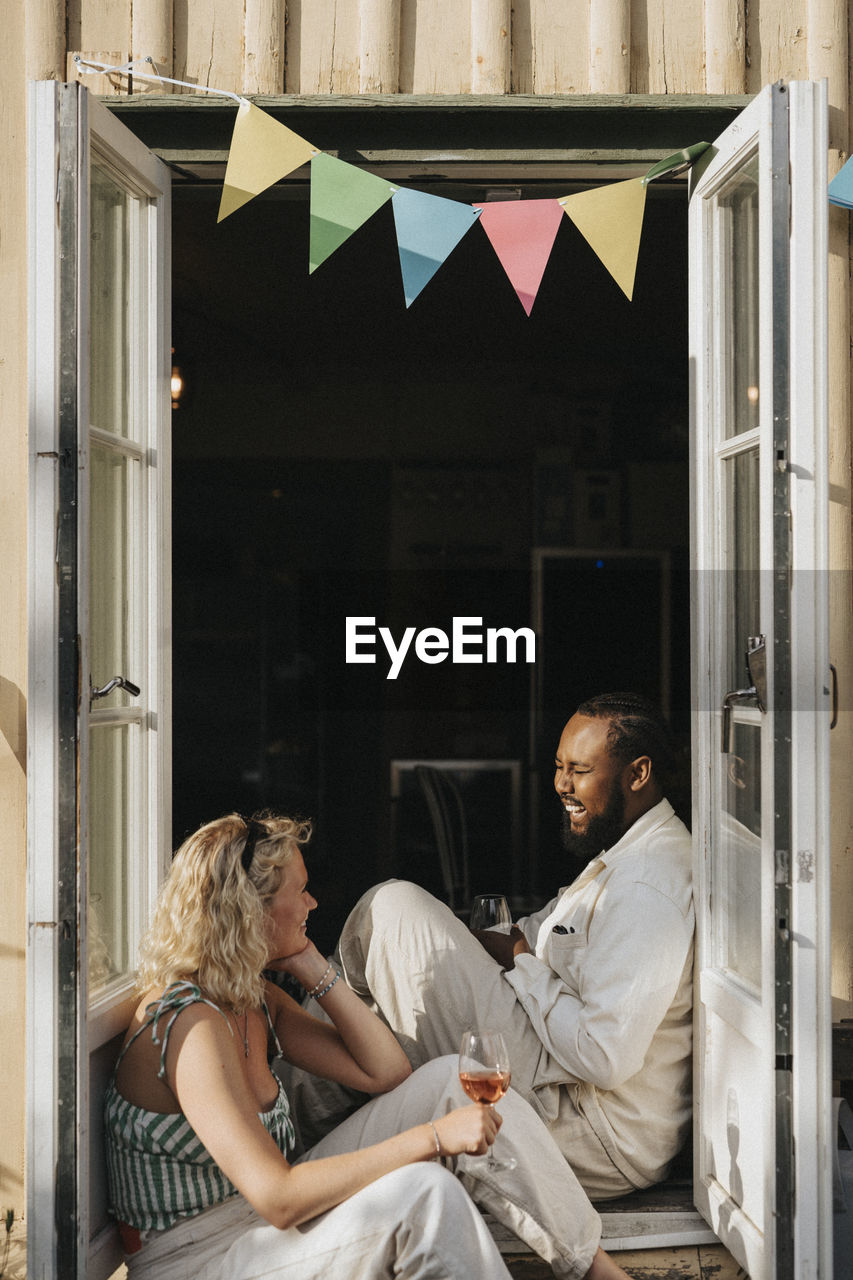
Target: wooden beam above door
[[413, 135]]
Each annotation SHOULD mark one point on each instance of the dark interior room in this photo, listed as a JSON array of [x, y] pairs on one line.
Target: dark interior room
[[336, 455]]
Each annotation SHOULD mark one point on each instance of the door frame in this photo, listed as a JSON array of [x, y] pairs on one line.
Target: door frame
[[66, 129], [53, 688], [793, 1022]]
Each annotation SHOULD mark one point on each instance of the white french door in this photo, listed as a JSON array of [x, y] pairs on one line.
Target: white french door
[[99, 706], [761, 684]]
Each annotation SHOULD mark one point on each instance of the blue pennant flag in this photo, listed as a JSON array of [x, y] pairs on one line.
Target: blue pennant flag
[[428, 230], [841, 187]]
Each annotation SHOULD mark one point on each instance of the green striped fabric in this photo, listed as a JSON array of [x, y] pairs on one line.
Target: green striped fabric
[[158, 1169]]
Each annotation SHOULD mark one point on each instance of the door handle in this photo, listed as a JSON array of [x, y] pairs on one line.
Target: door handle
[[117, 682], [734, 696], [756, 666]]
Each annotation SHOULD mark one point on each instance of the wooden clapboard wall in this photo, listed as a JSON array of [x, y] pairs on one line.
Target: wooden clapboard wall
[[463, 46]]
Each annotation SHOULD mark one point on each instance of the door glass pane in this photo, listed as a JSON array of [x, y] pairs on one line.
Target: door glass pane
[[112, 751], [742, 576], [118, 603], [737, 842], [738, 852], [109, 302], [738, 222], [110, 581]]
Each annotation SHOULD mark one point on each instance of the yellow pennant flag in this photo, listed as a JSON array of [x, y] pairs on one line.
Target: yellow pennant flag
[[611, 219], [262, 151]]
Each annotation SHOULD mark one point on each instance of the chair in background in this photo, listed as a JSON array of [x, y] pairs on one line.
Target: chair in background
[[451, 834]]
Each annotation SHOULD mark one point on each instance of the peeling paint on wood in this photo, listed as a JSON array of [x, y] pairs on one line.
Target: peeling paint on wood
[[776, 43], [550, 47], [263, 47], [725, 46], [322, 47], [474, 46], [379, 46], [208, 50], [152, 36], [610, 46], [667, 46], [436, 47]]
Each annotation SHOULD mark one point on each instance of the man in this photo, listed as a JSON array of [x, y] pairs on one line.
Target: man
[[593, 993]]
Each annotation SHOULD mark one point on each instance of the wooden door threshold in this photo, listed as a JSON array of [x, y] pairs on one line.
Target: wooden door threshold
[[657, 1218]]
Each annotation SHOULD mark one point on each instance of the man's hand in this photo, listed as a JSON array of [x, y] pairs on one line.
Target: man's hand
[[503, 947]]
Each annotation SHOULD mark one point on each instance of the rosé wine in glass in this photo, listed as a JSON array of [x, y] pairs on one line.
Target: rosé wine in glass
[[484, 1073]]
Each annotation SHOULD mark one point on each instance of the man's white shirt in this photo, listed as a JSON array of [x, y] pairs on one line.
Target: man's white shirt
[[608, 989]]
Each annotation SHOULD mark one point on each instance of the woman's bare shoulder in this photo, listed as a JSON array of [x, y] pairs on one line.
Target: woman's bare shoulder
[[278, 1001], [156, 1021]]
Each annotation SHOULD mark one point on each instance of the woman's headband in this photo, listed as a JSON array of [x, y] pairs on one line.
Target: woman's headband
[[255, 831]]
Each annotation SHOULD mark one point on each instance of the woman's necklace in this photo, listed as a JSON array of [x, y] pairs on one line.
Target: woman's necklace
[[244, 1034]]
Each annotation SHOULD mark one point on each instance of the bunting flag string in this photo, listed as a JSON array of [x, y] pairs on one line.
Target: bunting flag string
[[428, 227]]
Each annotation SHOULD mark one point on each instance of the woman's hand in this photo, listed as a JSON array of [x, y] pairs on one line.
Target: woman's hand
[[354, 1047], [306, 966], [470, 1130]]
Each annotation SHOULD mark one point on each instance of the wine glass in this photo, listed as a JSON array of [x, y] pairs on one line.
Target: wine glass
[[489, 910], [484, 1074]]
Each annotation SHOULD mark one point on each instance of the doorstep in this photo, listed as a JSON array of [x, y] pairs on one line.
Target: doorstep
[[656, 1218]]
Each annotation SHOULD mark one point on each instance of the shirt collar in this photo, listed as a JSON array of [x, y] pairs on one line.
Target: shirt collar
[[639, 830]]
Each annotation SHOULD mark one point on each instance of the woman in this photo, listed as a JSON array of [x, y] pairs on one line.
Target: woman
[[198, 1128]]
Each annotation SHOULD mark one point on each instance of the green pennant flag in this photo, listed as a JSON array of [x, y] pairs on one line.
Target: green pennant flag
[[343, 197], [677, 162]]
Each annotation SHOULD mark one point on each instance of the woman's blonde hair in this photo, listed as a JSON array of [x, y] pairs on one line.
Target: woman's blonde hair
[[210, 923]]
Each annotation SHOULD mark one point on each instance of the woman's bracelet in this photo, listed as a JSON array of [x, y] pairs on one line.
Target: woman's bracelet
[[312, 994], [437, 1143], [318, 995]]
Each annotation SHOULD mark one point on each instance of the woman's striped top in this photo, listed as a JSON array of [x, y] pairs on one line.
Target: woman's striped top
[[158, 1169]]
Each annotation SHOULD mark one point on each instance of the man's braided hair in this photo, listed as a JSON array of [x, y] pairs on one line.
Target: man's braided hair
[[637, 728]]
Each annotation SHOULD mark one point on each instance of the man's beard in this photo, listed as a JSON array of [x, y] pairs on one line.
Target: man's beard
[[602, 833]]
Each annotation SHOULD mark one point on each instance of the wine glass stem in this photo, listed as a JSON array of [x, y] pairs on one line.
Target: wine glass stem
[[491, 1162]]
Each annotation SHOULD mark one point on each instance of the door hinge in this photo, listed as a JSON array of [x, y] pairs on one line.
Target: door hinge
[[833, 671]]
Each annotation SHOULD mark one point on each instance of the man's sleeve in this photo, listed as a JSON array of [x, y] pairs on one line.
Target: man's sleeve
[[597, 1009], [529, 925]]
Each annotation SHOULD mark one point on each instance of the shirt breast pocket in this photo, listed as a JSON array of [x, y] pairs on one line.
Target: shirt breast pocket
[[565, 953], [563, 943]]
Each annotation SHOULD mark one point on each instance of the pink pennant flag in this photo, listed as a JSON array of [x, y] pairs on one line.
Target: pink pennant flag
[[522, 233]]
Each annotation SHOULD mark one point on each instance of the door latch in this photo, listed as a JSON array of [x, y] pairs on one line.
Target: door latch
[[117, 682], [756, 669]]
